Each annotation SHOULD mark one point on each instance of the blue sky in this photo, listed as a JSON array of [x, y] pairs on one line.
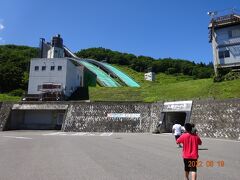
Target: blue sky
[[156, 28]]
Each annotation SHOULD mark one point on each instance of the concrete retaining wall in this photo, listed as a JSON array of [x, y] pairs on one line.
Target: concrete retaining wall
[[217, 118], [213, 118], [109, 116], [5, 115]]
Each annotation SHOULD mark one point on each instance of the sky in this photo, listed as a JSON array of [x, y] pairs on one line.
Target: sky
[[155, 28]]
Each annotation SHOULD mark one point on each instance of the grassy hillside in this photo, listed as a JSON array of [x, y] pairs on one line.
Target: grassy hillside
[[6, 97], [166, 87]]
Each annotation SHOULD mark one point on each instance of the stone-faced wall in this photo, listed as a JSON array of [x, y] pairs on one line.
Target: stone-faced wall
[[156, 113], [5, 114], [217, 118], [213, 118], [93, 117]]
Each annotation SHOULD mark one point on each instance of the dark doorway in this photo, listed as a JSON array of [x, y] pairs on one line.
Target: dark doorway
[[36, 120], [170, 118]]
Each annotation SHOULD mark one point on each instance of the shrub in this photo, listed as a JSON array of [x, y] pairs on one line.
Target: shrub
[[16, 92], [231, 76]]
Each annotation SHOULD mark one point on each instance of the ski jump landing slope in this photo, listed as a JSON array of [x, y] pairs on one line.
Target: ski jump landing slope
[[107, 75]]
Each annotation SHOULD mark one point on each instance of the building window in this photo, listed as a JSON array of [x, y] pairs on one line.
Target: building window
[[223, 54], [43, 68], [52, 68], [59, 68], [36, 68], [39, 87], [230, 34], [234, 33]]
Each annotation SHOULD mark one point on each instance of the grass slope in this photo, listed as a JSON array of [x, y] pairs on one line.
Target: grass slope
[[5, 97], [166, 87]]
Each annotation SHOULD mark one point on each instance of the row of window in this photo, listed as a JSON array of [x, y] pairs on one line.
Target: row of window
[[52, 68]]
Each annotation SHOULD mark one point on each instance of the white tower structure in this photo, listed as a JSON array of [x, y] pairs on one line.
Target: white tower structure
[[56, 50]]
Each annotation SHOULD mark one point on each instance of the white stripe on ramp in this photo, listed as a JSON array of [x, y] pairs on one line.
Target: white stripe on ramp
[[89, 134], [76, 134], [79, 134], [106, 134], [63, 134], [52, 134], [17, 137]]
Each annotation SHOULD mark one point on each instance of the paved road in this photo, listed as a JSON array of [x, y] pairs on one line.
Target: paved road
[[48, 155]]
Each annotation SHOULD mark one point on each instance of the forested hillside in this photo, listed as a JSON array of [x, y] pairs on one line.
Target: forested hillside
[[14, 66], [144, 63]]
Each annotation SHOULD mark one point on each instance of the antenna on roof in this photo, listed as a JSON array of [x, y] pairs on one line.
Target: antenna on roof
[[212, 14]]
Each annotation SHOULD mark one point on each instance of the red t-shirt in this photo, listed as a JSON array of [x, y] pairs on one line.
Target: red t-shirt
[[190, 145]]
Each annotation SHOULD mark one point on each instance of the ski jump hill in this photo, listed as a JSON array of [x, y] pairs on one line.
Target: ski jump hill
[[107, 75]]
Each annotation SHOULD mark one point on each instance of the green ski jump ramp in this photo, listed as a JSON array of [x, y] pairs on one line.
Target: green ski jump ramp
[[105, 72]]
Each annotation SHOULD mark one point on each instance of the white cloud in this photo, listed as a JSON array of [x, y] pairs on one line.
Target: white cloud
[[1, 26], [2, 41]]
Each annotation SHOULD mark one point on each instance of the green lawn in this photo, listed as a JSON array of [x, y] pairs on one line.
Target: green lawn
[[166, 87]]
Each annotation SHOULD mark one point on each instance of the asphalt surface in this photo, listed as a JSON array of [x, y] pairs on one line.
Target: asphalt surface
[[51, 155]]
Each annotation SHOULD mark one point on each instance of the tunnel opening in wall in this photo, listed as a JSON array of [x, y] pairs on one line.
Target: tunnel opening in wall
[[171, 118], [177, 112]]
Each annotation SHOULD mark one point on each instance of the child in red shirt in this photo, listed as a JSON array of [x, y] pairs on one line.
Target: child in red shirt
[[190, 143]]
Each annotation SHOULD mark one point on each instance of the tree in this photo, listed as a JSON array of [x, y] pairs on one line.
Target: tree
[[11, 77], [14, 66]]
